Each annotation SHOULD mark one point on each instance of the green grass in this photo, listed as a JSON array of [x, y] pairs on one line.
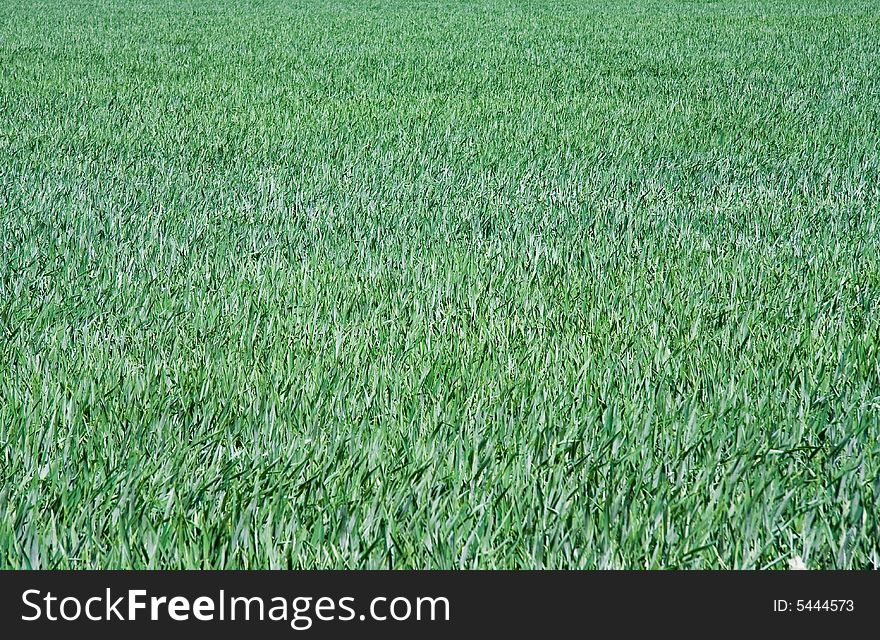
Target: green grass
[[439, 284]]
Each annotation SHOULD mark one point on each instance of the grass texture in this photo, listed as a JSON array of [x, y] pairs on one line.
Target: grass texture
[[439, 284]]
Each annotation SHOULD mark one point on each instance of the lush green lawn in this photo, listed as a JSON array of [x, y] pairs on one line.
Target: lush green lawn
[[439, 284]]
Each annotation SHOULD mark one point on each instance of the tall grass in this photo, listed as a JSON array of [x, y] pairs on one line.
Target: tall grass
[[439, 284]]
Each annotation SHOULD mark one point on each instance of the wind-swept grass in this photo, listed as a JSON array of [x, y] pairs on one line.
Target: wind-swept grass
[[439, 284]]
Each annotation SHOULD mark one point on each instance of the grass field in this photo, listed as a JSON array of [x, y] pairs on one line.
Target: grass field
[[439, 284]]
